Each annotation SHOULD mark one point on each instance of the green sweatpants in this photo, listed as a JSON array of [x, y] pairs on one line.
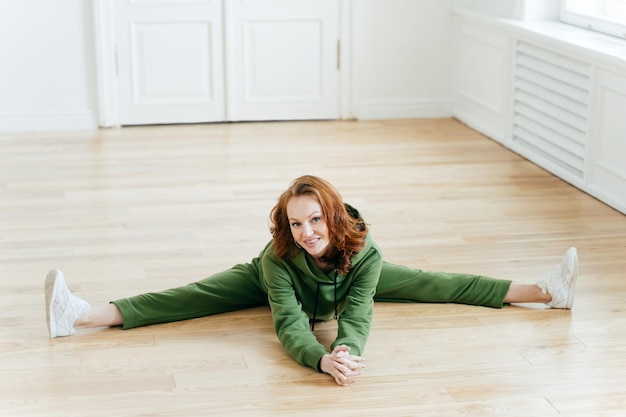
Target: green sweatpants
[[240, 287]]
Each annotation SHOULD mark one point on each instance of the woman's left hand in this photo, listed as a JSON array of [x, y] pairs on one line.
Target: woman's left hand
[[342, 366]]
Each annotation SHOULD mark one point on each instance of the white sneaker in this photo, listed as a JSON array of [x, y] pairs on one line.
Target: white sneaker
[[560, 282], [62, 307]]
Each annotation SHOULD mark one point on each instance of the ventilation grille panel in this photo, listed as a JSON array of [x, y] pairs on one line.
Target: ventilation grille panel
[[551, 107]]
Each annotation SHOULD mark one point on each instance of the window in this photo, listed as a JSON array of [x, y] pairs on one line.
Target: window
[[607, 16]]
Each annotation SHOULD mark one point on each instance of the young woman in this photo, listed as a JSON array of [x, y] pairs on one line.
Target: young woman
[[321, 263]]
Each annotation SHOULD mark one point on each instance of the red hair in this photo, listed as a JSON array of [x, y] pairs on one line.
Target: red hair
[[346, 233]]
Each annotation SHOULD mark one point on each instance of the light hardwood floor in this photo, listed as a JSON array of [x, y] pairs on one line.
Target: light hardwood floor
[[131, 210]]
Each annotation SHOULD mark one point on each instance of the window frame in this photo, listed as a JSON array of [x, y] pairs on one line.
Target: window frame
[[596, 22]]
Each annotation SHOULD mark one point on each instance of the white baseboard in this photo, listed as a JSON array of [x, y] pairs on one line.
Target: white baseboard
[[80, 120], [404, 108], [492, 131]]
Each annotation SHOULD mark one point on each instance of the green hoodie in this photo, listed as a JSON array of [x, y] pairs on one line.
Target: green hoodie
[[298, 291]]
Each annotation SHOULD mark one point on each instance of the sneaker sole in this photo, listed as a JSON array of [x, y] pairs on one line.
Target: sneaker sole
[[574, 272], [51, 289]]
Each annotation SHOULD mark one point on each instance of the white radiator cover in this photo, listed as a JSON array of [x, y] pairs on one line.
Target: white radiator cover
[[551, 106], [550, 92]]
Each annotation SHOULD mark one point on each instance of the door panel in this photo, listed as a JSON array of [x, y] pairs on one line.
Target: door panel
[[155, 57], [170, 64], [272, 59], [282, 59]]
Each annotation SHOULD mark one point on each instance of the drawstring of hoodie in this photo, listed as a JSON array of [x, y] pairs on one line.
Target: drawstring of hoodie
[[335, 294], [317, 293]]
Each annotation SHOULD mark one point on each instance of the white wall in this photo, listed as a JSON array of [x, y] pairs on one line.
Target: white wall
[[401, 58], [47, 74], [400, 62]]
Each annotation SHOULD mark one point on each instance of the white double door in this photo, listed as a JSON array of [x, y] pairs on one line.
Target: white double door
[[225, 60]]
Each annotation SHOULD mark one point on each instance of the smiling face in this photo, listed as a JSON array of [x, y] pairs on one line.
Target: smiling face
[[307, 224]]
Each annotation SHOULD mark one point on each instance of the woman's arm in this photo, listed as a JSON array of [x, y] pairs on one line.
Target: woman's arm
[[290, 321], [355, 322], [344, 363]]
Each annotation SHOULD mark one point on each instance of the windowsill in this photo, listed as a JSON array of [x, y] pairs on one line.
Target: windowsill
[[603, 48]]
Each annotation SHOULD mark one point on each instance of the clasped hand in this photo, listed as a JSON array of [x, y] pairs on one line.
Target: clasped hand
[[342, 366]]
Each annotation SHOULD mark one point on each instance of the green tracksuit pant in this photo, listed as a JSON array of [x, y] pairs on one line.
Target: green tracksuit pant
[[240, 287]]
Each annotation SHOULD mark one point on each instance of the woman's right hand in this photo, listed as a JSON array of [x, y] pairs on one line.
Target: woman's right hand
[[342, 366]]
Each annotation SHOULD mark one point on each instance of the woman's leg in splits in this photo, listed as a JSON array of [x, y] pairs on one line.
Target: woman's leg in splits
[[233, 289], [401, 284]]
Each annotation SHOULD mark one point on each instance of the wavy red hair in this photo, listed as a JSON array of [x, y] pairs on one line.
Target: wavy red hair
[[346, 233]]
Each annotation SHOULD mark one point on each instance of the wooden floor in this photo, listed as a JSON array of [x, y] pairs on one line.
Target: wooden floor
[[130, 210]]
